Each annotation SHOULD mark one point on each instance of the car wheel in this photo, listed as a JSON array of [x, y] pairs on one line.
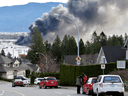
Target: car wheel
[[88, 91], [97, 94], [93, 94], [13, 85], [40, 86], [45, 87], [121, 94], [50, 87]]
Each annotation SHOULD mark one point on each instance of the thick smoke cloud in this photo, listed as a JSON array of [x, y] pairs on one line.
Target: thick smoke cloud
[[89, 15]]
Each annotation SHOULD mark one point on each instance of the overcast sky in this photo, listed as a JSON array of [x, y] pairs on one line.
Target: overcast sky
[[20, 2]]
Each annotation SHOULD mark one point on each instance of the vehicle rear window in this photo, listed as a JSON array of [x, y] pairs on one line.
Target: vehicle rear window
[[94, 80], [51, 79], [111, 79], [40, 79]]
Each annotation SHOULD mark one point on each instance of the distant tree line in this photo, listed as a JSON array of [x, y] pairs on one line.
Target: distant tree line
[[68, 45]]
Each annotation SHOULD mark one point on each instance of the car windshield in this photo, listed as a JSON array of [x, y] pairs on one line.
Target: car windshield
[[51, 79], [111, 79], [94, 80]]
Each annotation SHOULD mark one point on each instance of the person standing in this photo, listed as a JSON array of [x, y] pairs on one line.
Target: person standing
[[78, 83], [84, 78]]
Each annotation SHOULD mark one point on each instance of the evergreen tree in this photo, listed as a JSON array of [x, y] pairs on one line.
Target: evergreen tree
[[109, 41], [47, 46], [81, 47], [64, 44], [36, 46], [88, 48], [72, 46], [94, 37], [121, 40], [56, 48], [103, 39], [114, 41], [95, 47], [2, 52]]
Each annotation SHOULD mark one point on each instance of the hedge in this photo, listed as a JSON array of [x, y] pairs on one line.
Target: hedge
[[5, 79], [69, 73]]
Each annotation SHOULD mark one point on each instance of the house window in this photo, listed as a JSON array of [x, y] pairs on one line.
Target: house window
[[0, 74], [103, 60], [16, 65]]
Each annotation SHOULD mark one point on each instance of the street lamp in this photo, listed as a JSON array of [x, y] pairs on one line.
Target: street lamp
[[78, 62], [45, 58]]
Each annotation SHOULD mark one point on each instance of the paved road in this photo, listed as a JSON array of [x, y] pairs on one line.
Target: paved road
[[6, 89]]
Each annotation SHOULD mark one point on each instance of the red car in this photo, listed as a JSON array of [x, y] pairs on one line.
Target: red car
[[48, 82], [87, 88]]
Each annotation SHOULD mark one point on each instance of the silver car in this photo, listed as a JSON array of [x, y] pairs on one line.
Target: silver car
[[25, 80]]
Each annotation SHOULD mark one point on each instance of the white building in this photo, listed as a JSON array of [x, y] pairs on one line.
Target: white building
[[15, 50]]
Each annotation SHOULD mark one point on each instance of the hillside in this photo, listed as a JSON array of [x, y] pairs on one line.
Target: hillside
[[18, 18]]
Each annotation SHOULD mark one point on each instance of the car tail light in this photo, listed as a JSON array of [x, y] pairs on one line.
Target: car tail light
[[101, 84], [120, 85]]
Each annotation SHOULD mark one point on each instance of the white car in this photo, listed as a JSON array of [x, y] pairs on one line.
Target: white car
[[25, 80], [37, 80], [108, 84]]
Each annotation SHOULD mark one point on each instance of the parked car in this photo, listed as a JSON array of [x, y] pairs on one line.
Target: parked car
[[25, 80], [48, 82], [37, 80], [17, 82], [108, 84], [87, 87]]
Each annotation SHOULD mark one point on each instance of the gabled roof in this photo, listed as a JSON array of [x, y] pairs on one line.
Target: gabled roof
[[4, 60], [114, 53], [2, 69], [32, 67]]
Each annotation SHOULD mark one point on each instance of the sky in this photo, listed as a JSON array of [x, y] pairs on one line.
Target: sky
[[22, 2], [109, 16]]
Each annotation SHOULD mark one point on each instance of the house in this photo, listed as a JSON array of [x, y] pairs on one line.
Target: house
[[85, 59], [109, 54], [15, 63], [5, 61], [126, 47], [9, 68], [31, 67]]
